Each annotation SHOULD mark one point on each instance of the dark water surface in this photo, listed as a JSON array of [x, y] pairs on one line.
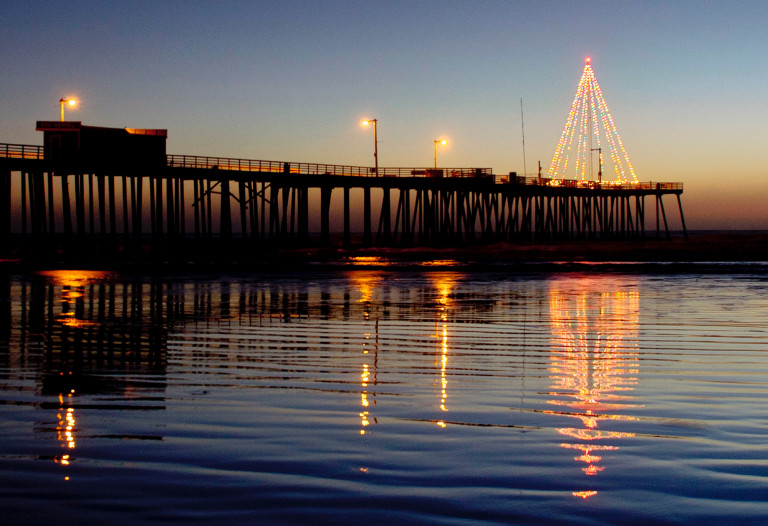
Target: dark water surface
[[384, 398]]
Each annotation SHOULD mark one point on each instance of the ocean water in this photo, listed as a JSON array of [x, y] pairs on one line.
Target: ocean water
[[379, 397]]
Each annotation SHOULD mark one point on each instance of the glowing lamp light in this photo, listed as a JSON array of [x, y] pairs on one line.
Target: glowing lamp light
[[439, 141], [366, 122], [66, 102]]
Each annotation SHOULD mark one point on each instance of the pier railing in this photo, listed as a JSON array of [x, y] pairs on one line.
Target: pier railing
[[251, 165], [27, 151], [593, 185], [21, 151]]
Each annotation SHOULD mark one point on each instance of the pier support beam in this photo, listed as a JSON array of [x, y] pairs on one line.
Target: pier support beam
[[325, 215]]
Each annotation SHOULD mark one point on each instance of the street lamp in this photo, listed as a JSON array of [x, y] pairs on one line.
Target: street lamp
[[443, 142], [366, 122], [63, 102]]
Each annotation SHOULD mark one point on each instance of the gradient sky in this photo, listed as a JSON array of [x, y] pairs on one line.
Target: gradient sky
[[686, 82]]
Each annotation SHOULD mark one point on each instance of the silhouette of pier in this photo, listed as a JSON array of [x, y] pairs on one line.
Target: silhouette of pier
[[116, 193]]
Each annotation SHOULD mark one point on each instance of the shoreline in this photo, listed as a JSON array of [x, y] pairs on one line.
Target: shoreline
[[707, 252]]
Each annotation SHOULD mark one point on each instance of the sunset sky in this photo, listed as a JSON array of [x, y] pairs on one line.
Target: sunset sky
[[686, 82]]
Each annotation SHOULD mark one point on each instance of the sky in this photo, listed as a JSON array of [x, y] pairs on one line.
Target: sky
[[686, 83]]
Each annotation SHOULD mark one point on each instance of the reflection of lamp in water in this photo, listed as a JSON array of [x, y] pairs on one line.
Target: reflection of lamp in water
[[367, 283], [592, 330], [443, 286]]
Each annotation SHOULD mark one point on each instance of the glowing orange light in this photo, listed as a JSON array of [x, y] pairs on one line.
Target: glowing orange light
[[584, 494]]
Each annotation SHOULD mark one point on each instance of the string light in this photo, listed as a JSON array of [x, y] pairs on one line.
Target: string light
[[591, 125]]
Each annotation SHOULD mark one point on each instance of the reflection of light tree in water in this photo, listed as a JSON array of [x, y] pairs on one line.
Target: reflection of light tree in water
[[65, 428], [593, 359]]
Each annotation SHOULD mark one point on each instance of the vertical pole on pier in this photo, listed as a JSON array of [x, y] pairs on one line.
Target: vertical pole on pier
[[5, 215], [208, 207], [347, 234], [138, 209], [285, 211], [304, 213], [152, 211], [367, 216], [66, 206], [92, 203], [51, 209], [170, 208], [23, 203], [263, 193], [660, 203], [385, 220], [226, 213], [112, 212], [243, 208], [180, 214], [198, 202], [100, 182], [682, 218], [80, 203], [274, 213], [33, 223], [125, 206], [37, 195], [407, 230], [325, 214]]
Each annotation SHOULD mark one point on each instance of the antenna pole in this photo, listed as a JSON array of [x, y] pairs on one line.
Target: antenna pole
[[522, 124]]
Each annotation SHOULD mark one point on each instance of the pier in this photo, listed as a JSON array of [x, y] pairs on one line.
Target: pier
[[115, 193]]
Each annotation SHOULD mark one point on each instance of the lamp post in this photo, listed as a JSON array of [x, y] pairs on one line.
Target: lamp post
[[599, 159], [63, 102], [366, 122], [443, 142]]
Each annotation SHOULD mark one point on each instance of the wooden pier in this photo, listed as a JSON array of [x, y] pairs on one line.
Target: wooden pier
[[179, 206]]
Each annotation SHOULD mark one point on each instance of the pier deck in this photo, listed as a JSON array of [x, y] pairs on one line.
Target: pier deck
[[257, 203]]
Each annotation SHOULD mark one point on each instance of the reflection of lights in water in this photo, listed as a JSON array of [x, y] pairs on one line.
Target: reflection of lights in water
[[75, 278], [592, 367], [584, 494], [440, 263], [364, 422], [363, 261], [443, 367], [73, 283], [367, 283], [65, 428], [444, 286]]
